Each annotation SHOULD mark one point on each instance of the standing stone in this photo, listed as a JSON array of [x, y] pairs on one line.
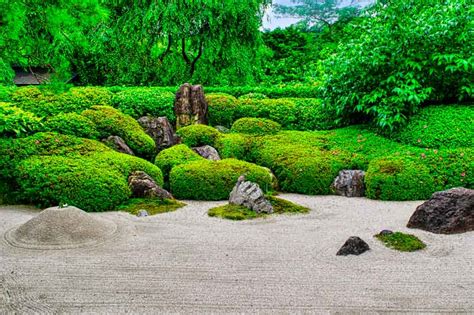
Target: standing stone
[[349, 183], [207, 152], [190, 106], [250, 195], [160, 130], [142, 213], [447, 212], [118, 144], [143, 186], [353, 246]]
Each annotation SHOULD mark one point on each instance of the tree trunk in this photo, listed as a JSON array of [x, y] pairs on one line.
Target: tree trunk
[[190, 106]]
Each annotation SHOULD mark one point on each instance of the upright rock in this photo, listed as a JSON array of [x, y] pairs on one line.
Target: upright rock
[[353, 246], [250, 195], [118, 144], [207, 152], [190, 106], [160, 130], [447, 212], [349, 183], [143, 186]]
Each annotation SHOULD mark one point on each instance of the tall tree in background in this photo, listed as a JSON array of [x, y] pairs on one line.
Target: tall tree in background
[[47, 33]]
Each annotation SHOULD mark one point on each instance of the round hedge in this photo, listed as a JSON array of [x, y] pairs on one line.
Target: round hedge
[[15, 122], [221, 108], [398, 179], [256, 126], [176, 155], [214, 180], [233, 145], [198, 135], [72, 124]]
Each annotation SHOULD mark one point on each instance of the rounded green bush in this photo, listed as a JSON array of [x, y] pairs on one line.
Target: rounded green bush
[[111, 122], [221, 109], [256, 126], [214, 180], [398, 179], [176, 155], [72, 124], [198, 135], [233, 145], [15, 122]]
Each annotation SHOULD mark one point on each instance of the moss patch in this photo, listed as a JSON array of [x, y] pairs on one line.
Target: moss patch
[[152, 206], [401, 241], [237, 213]]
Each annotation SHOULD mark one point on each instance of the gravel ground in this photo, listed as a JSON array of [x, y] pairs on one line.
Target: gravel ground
[[187, 262]]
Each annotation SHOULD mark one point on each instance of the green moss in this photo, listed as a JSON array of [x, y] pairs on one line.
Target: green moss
[[221, 109], [174, 156], [214, 180], [256, 126], [15, 122], [111, 122], [401, 241], [233, 145], [253, 96], [72, 124], [198, 135], [236, 212], [152, 206]]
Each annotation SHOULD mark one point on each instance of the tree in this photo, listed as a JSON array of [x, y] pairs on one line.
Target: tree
[[45, 33]]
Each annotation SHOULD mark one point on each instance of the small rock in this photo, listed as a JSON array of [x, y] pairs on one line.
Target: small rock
[[447, 212], [250, 195], [160, 130], [142, 185], [385, 232], [349, 183], [222, 129], [142, 213], [353, 246], [118, 144], [207, 152]]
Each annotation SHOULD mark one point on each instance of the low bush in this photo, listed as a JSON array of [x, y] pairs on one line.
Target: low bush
[[256, 126], [139, 102], [6, 92], [111, 122], [221, 109], [72, 124], [151, 205], [214, 180], [401, 241], [15, 122], [398, 179], [253, 96], [198, 135], [233, 145], [440, 127], [174, 156], [300, 91]]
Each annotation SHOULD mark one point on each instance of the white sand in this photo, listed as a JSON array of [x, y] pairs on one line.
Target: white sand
[[185, 262]]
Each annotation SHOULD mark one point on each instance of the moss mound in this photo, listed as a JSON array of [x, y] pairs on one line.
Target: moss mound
[[174, 156], [198, 135], [401, 241], [152, 206], [256, 126], [15, 122], [72, 124], [236, 212], [221, 108]]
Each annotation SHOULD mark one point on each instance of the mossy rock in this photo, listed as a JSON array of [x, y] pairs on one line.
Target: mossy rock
[[401, 241], [256, 126], [198, 135], [152, 205]]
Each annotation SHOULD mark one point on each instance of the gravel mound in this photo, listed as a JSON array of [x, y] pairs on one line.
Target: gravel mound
[[58, 228]]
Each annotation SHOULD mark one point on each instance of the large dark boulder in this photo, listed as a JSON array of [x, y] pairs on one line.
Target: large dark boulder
[[118, 144], [207, 152], [349, 183], [190, 106], [160, 130], [353, 246], [143, 186], [447, 212]]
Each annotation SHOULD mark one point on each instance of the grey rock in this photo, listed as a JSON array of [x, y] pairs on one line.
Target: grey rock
[[142, 213], [160, 130], [250, 195], [222, 129], [349, 183], [353, 246], [447, 212], [118, 144], [143, 186], [385, 232], [207, 152], [190, 106]]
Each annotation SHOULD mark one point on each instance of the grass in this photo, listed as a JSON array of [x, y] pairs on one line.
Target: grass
[[238, 213], [401, 241], [152, 206]]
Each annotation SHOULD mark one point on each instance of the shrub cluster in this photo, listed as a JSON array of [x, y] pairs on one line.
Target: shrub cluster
[[15, 122], [174, 156], [72, 124], [299, 91], [256, 126], [198, 135]]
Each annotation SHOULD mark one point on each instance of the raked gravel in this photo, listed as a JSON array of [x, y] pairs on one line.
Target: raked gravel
[[187, 262]]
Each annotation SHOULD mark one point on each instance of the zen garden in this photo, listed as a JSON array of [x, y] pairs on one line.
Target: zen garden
[[237, 156]]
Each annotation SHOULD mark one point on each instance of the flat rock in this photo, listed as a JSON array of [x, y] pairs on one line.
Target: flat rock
[[118, 144], [207, 152], [160, 130], [446, 212], [353, 246], [143, 186], [250, 195], [349, 183]]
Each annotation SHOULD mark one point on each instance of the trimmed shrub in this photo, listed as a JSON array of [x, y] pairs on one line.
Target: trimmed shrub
[[6, 92], [282, 111], [398, 179], [440, 126], [15, 122], [233, 145], [198, 135], [253, 96], [214, 180], [111, 122], [72, 124], [311, 114], [139, 102], [221, 109], [256, 126], [280, 91], [174, 156]]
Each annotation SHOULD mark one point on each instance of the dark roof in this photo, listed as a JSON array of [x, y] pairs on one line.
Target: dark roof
[[23, 77]]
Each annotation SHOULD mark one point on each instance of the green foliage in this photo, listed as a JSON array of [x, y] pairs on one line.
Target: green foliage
[[280, 91], [5, 93], [15, 122], [214, 180], [221, 109], [174, 156], [256, 126], [398, 179], [233, 145], [401, 241], [440, 126], [282, 206], [198, 135], [139, 102], [72, 124], [111, 122], [253, 96], [388, 68], [152, 205]]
